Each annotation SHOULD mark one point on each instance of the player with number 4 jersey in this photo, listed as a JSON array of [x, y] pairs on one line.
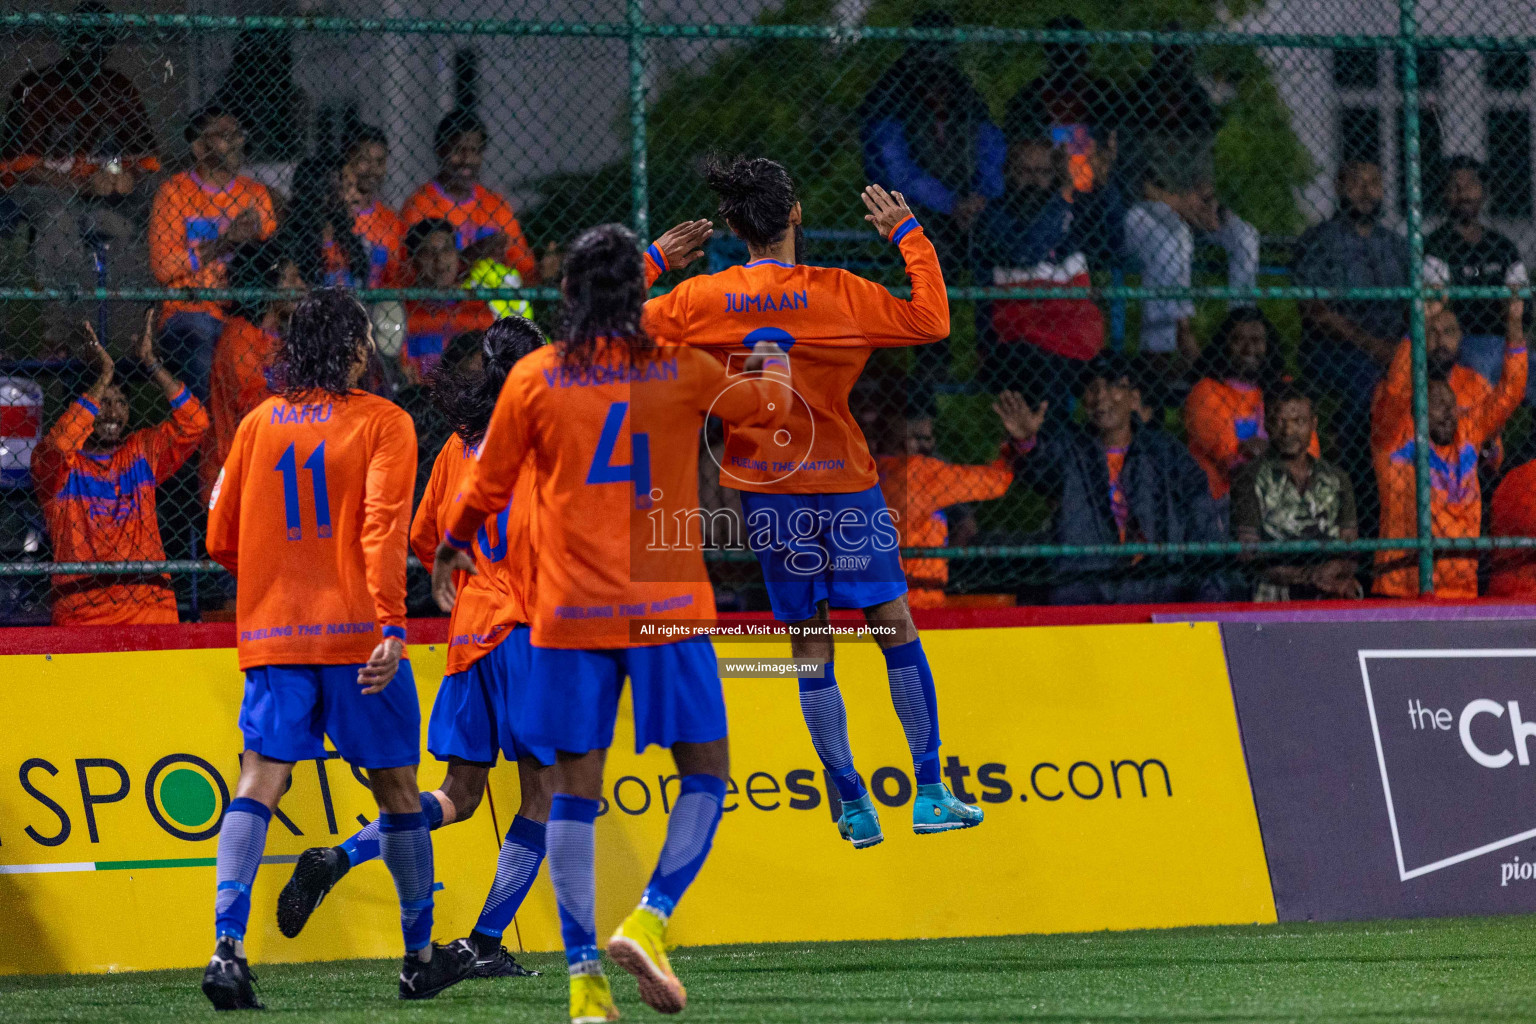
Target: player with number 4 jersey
[[814, 510], [311, 514], [608, 424]]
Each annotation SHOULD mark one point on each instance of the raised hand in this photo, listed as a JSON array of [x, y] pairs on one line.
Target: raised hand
[[1021, 422], [96, 355], [886, 209], [684, 243], [144, 347]]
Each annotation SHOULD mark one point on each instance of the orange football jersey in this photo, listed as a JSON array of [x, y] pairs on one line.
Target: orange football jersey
[[830, 321], [312, 513], [498, 596]]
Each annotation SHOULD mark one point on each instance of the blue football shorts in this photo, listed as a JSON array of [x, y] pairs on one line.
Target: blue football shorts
[[289, 710], [469, 718], [838, 548], [572, 699]]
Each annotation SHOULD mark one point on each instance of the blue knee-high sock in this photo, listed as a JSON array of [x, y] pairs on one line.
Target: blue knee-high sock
[[364, 846], [821, 702], [690, 832], [917, 706], [242, 838], [573, 870], [405, 844], [516, 867]]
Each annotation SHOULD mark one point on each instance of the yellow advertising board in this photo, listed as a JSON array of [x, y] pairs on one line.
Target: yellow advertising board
[[1107, 759]]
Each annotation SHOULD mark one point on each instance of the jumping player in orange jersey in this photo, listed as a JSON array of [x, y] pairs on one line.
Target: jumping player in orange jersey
[[97, 489], [487, 667], [815, 514], [311, 514], [608, 424]]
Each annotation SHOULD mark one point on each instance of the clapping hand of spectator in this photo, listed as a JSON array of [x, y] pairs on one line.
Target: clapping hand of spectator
[[95, 355], [886, 209], [491, 247], [108, 182], [683, 244], [1022, 423], [246, 227], [550, 263]]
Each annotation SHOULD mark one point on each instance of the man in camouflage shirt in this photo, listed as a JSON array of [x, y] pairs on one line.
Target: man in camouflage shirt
[[1289, 495]]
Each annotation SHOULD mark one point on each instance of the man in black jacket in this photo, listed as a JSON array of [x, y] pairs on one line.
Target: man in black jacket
[[1120, 481]]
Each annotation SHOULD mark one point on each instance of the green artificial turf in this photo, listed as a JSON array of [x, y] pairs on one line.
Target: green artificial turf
[[1429, 970]]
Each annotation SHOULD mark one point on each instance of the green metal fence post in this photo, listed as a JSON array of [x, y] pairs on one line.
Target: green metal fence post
[[639, 53], [1408, 51]]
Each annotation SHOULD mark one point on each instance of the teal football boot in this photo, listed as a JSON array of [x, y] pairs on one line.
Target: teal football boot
[[937, 810], [859, 824]]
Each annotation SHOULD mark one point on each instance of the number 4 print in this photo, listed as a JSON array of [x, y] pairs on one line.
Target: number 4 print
[[636, 471], [288, 466]]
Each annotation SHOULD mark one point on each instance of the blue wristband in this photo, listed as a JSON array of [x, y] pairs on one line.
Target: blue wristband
[[659, 257], [904, 229]]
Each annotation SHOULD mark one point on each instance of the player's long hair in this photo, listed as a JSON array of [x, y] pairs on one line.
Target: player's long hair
[[328, 332], [604, 290], [756, 197], [466, 396]]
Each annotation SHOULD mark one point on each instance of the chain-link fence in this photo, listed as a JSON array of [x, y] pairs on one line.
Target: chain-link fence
[[1198, 233]]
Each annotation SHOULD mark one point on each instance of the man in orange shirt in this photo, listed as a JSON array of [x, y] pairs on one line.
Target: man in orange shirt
[[97, 490], [815, 515], [485, 226], [1457, 433], [607, 422], [1224, 413], [431, 323], [311, 514], [198, 219], [918, 488], [364, 162], [1393, 398], [488, 656]]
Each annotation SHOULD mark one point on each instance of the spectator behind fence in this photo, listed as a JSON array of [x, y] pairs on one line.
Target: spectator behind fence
[[76, 146], [365, 159], [251, 332], [317, 228], [1121, 482], [97, 490], [484, 225], [259, 91], [919, 487], [1075, 110], [1178, 205], [1475, 256], [1348, 342], [1288, 493], [1224, 413], [1513, 514], [199, 218], [1168, 101], [927, 134], [1043, 233], [1393, 399], [1456, 432], [430, 323]]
